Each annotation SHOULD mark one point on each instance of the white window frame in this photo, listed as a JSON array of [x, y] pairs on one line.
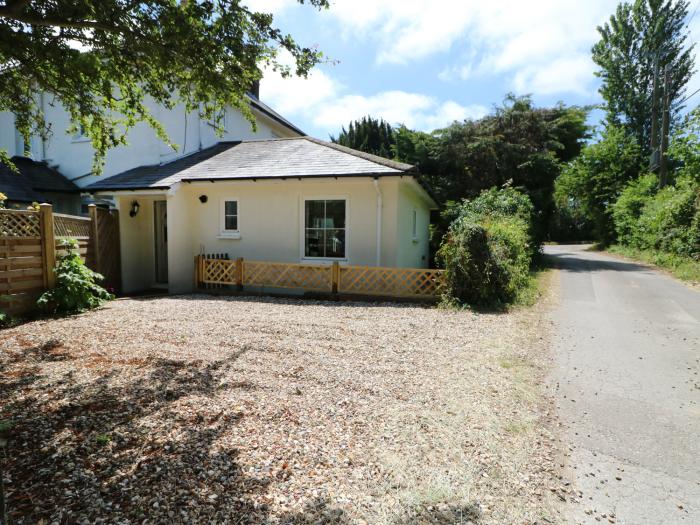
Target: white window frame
[[79, 136], [223, 232], [224, 120], [302, 228]]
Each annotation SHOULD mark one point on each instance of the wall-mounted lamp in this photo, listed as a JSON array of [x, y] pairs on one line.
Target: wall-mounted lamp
[[203, 199], [134, 209]]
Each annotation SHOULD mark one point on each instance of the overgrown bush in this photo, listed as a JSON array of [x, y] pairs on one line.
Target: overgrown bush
[[488, 249], [668, 219], [629, 206], [76, 287]]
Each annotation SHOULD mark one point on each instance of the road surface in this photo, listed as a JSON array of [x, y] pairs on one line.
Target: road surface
[[627, 347]]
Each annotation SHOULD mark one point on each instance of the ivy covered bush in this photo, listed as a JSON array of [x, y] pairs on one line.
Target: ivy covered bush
[[488, 249], [665, 219], [76, 287], [668, 219]]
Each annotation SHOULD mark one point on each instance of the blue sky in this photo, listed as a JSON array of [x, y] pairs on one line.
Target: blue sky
[[425, 63]]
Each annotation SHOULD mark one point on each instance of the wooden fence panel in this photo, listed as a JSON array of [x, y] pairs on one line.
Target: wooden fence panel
[[361, 280], [393, 282], [315, 278], [30, 241], [21, 260]]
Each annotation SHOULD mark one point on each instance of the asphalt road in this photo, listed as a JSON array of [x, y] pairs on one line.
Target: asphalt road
[[627, 346]]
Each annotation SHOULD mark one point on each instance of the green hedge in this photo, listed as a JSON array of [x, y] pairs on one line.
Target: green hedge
[[668, 220], [488, 249]]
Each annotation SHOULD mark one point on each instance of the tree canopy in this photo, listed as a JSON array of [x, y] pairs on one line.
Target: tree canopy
[[103, 59], [518, 144], [368, 134], [589, 186], [638, 37]]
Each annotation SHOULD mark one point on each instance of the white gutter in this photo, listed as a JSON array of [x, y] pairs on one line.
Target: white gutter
[[379, 221]]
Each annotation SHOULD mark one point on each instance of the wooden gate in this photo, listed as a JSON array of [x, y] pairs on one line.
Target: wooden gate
[[107, 250]]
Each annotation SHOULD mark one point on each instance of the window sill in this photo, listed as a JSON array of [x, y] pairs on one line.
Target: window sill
[[229, 235], [322, 260]]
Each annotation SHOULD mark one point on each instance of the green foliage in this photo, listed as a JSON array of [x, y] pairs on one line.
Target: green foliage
[[589, 186], [488, 249], [670, 220], [504, 203], [628, 208], [205, 55], [370, 135], [76, 289], [684, 149], [667, 219], [638, 34], [518, 143], [685, 268]]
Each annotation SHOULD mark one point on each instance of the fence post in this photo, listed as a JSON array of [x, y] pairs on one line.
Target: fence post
[[335, 276], [92, 212], [239, 273], [48, 244]]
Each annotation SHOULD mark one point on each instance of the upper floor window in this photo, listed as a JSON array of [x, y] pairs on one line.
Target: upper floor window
[[220, 120], [325, 229], [80, 135]]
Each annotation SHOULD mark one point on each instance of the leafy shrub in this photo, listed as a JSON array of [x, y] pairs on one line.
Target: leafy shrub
[[499, 202], [589, 185], [670, 221], [76, 288], [488, 249], [667, 220], [629, 207]]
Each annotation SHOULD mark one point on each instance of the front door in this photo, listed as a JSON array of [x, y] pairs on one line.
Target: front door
[[160, 221]]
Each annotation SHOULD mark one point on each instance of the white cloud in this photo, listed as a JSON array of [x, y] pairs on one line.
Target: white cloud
[[563, 75], [325, 102], [532, 42], [268, 6], [417, 111]]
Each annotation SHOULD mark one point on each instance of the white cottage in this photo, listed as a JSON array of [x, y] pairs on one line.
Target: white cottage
[[281, 200], [272, 194]]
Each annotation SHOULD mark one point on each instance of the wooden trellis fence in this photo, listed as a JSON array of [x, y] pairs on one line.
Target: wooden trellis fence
[[31, 240], [361, 280]]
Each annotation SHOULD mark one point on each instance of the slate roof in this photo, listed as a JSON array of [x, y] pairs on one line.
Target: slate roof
[[32, 181], [302, 157], [258, 104]]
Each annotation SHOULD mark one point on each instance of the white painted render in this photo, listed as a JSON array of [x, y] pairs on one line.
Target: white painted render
[[270, 222], [73, 156]]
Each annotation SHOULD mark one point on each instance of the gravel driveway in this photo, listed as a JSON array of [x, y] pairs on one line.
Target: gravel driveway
[[197, 409]]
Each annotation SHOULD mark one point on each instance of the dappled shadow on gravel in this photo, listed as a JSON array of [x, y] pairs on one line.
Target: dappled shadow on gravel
[[83, 450], [136, 442]]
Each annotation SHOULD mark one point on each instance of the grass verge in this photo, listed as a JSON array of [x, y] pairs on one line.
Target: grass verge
[[683, 268], [537, 283]]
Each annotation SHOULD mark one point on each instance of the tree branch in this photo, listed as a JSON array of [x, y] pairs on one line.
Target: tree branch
[[6, 12]]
